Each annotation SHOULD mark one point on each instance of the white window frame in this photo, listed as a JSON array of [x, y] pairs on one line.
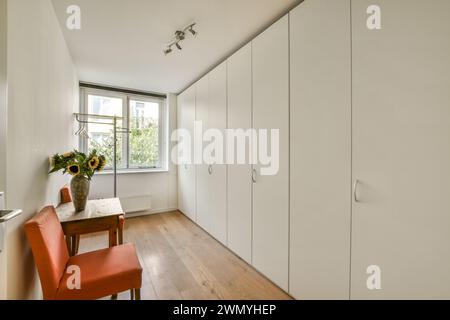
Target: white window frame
[[162, 127]]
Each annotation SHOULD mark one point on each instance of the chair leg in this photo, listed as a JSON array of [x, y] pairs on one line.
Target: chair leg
[[131, 294], [137, 293]]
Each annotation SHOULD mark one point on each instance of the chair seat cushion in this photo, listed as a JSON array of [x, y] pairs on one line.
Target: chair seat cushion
[[103, 272]]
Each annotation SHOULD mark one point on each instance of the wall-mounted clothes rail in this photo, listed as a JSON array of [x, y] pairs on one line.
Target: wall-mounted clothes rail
[[84, 118]]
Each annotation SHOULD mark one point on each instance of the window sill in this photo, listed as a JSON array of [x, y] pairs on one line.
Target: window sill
[[131, 171]]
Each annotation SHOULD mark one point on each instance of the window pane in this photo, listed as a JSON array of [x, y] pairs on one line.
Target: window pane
[[144, 136], [101, 137]]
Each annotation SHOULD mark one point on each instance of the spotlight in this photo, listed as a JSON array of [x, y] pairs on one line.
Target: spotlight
[[178, 46], [168, 50], [180, 35], [191, 30]]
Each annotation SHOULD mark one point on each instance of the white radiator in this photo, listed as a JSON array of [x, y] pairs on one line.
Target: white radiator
[[136, 203]]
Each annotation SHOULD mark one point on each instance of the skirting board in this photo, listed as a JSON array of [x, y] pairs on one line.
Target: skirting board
[[149, 212]]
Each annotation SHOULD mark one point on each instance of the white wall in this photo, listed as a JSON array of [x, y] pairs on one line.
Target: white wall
[[3, 94], [42, 96], [2, 130], [160, 186]]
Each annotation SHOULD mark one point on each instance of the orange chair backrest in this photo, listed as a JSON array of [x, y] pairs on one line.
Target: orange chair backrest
[[46, 239], [65, 195]]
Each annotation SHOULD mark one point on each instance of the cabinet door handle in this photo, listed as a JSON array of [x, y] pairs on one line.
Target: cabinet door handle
[[210, 169], [254, 175], [185, 166], [355, 187]]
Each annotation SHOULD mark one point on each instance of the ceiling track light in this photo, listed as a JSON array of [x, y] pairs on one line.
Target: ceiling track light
[[180, 35]]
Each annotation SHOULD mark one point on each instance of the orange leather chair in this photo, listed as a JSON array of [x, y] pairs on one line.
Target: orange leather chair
[[103, 273]]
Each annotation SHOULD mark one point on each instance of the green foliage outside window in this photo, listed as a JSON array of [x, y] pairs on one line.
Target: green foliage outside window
[[143, 145]]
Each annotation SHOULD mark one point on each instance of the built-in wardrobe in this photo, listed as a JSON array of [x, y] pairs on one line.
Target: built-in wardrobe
[[211, 176], [360, 206], [186, 168]]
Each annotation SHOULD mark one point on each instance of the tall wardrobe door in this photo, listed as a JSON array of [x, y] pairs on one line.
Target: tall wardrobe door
[[401, 151], [187, 170], [181, 167], [204, 218], [271, 192], [218, 171], [239, 175], [320, 141]]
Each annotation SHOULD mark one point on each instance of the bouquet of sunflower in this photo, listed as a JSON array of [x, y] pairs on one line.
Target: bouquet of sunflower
[[77, 163]]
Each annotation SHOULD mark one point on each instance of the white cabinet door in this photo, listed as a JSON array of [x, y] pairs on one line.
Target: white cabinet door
[[186, 171], [204, 218], [401, 150], [181, 178], [271, 192], [320, 167], [217, 120], [239, 175]]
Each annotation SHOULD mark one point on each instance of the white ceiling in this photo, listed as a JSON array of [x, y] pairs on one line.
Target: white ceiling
[[121, 42]]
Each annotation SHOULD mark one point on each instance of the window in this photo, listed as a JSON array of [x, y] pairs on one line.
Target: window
[[144, 146]]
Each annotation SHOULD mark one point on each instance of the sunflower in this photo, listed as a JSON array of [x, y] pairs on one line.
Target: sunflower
[[68, 154], [94, 162], [101, 164], [74, 169]]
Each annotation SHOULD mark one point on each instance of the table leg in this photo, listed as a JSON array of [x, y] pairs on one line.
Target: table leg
[[76, 244], [120, 234], [112, 237], [121, 226], [69, 244]]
